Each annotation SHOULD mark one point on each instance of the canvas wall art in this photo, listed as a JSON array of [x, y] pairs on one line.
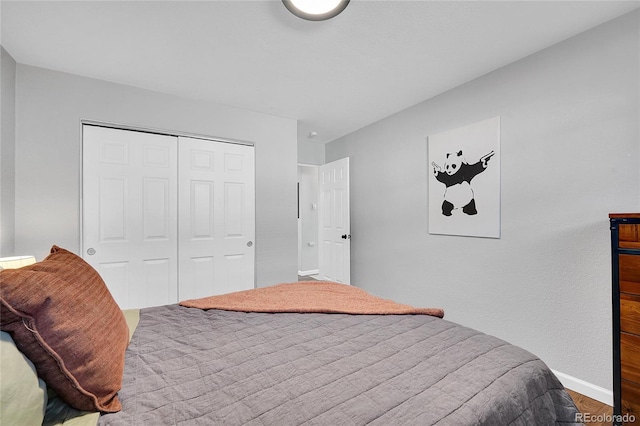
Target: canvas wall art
[[464, 180]]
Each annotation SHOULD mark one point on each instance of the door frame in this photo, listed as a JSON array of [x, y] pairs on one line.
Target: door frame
[[162, 132]]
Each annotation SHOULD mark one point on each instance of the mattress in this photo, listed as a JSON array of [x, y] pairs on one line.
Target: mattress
[[188, 366]]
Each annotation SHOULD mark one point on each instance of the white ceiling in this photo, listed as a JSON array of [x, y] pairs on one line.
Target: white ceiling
[[334, 77]]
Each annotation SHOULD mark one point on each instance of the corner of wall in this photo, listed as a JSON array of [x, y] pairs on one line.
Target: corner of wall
[[7, 152]]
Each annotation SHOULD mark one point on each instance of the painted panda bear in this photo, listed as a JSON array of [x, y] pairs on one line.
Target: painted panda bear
[[457, 176]]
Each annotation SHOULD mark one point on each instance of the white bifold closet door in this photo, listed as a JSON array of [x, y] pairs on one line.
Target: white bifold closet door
[[166, 218]]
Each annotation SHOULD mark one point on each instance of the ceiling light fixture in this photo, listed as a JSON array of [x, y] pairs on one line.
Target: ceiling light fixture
[[315, 10]]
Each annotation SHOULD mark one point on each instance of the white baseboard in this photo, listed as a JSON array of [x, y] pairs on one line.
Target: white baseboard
[[309, 272], [585, 388]]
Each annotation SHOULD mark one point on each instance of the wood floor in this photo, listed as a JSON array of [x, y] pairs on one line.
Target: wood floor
[[591, 406]]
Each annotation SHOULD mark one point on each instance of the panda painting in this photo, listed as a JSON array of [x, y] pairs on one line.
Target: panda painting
[[456, 177]]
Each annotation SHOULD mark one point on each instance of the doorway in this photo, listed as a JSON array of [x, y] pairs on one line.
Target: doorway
[[308, 256], [324, 235]]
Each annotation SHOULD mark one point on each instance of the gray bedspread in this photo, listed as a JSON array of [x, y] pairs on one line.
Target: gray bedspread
[[188, 366]]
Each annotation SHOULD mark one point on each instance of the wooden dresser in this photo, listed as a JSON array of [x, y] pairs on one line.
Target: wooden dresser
[[625, 260]]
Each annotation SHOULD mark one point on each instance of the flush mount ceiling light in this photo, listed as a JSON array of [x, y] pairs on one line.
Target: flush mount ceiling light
[[315, 10]]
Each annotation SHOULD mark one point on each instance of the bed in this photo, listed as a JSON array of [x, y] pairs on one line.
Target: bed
[[313, 353]]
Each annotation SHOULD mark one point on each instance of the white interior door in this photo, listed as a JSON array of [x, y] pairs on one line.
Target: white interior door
[[216, 217], [129, 226], [334, 222]]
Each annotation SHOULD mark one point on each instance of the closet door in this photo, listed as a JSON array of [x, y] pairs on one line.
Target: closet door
[[129, 217], [216, 217]]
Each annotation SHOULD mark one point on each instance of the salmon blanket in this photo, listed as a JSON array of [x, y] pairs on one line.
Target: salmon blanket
[[308, 297]]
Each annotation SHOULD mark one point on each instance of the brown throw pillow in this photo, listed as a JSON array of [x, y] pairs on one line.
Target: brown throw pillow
[[63, 318]]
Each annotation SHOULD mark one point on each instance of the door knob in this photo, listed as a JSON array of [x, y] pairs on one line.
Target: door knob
[[346, 237], [91, 251]]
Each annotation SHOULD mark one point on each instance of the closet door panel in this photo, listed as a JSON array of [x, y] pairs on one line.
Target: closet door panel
[[216, 217], [233, 209], [112, 214], [201, 210], [129, 214], [156, 216]]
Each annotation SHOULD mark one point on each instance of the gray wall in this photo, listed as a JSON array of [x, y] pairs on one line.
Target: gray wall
[[570, 144], [49, 107], [310, 152], [7, 152]]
